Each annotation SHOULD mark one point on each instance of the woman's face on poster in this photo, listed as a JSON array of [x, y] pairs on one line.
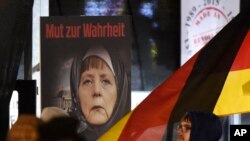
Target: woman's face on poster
[[98, 94]]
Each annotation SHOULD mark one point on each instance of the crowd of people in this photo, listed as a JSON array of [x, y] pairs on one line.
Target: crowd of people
[[54, 126], [31, 128]]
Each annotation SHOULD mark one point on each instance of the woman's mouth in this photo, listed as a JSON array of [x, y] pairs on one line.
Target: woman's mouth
[[96, 107]]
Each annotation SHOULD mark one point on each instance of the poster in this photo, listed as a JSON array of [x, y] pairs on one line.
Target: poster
[[84, 58], [201, 20]]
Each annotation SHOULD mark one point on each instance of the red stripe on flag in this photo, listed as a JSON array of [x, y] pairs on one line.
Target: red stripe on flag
[[242, 59], [150, 115]]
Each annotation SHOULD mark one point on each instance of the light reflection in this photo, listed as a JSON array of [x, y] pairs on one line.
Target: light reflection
[[154, 50], [103, 8], [147, 9], [155, 25]]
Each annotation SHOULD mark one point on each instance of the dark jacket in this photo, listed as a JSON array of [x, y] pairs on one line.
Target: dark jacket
[[205, 126]]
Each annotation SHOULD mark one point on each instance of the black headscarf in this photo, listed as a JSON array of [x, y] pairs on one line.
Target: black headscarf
[[92, 132], [205, 126]]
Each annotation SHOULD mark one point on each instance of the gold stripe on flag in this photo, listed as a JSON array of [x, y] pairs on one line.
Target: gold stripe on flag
[[235, 95], [114, 132]]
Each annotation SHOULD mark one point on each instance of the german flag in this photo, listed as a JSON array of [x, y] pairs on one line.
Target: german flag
[[216, 79]]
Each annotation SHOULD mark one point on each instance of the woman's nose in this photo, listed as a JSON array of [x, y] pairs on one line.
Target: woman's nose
[[97, 90]]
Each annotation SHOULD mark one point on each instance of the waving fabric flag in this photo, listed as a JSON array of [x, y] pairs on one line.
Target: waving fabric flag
[[216, 79]]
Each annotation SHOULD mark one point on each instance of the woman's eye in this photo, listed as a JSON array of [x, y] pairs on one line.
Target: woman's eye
[[87, 82], [106, 82]]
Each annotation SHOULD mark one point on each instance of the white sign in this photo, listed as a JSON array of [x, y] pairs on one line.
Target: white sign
[[13, 108], [201, 20]]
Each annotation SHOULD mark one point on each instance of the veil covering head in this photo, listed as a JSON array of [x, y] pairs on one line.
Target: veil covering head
[[111, 58], [205, 126]]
